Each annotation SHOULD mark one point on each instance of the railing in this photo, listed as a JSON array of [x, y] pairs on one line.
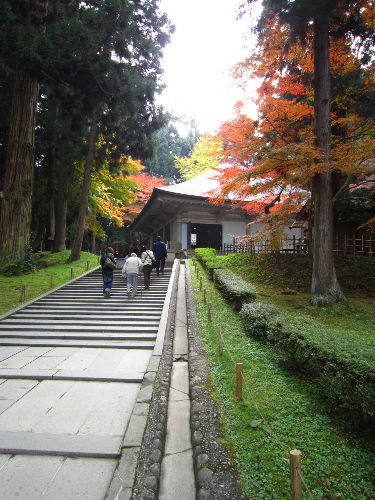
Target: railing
[[343, 245]]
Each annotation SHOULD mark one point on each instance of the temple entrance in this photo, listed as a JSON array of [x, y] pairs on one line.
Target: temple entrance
[[205, 236]]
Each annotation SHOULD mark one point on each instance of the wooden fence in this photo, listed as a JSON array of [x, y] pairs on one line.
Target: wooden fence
[[343, 245]]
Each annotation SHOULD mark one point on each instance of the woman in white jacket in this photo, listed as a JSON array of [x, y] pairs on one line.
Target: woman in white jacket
[[130, 270], [147, 256]]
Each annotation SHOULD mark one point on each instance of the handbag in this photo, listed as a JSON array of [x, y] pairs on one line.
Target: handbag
[[154, 263]]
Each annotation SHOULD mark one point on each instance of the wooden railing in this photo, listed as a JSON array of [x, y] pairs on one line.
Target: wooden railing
[[343, 245]]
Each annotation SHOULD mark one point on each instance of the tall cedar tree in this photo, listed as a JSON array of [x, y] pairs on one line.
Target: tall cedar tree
[[328, 18], [15, 219]]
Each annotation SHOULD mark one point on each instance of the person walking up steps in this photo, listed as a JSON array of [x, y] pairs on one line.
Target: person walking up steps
[[160, 253], [107, 270], [147, 257], [130, 270]]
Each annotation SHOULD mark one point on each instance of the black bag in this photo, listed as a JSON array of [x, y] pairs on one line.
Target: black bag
[[154, 263], [109, 263]]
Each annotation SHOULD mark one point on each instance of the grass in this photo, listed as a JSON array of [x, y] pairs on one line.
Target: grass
[[39, 281], [281, 411]]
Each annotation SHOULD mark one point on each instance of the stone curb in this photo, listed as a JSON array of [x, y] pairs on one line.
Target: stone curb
[[215, 472], [148, 470]]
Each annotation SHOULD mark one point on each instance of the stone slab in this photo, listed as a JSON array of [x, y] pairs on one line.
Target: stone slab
[[68, 407], [70, 445], [25, 477], [179, 386], [68, 342], [177, 477], [76, 375], [178, 437], [123, 477]]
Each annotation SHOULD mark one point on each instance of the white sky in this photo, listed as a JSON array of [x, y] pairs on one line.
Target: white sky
[[207, 43]]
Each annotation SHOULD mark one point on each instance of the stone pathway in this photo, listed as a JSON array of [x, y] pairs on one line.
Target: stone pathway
[[76, 378]]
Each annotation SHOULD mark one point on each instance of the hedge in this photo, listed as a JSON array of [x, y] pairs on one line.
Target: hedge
[[344, 380], [205, 254], [233, 288]]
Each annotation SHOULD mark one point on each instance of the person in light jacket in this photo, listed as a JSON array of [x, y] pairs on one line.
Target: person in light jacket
[[147, 257], [130, 270]]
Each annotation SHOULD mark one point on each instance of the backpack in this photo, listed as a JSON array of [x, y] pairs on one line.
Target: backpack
[[109, 264]]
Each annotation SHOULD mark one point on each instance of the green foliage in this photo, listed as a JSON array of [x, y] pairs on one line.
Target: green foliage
[[167, 144], [203, 255], [211, 265], [48, 264], [280, 411], [21, 266], [345, 378], [234, 289], [260, 319]]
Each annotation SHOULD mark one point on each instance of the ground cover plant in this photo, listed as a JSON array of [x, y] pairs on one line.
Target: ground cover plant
[[280, 411], [38, 281]]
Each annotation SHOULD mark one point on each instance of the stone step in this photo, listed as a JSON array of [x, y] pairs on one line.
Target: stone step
[[68, 445], [69, 342], [75, 375], [136, 309], [91, 315], [33, 334], [94, 330], [102, 322]]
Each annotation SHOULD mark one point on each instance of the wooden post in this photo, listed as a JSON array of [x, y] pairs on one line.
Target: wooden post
[[71, 273], [362, 245], [200, 283], [51, 280], [295, 474], [209, 311], [220, 340], [87, 265], [23, 293], [239, 367], [204, 296]]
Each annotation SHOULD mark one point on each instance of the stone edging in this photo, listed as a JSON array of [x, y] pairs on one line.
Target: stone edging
[[215, 472], [148, 470]]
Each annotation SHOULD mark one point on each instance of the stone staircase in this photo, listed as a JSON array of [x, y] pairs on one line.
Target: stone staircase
[[71, 368]]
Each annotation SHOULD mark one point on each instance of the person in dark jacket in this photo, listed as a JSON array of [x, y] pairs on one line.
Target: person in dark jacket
[[107, 272], [135, 248], [160, 254]]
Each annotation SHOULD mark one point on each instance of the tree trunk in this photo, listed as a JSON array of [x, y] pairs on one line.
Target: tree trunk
[[61, 210], [325, 288], [15, 220], [92, 242], [77, 245]]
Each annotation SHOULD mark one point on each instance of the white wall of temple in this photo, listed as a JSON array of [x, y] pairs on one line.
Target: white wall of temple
[[231, 229], [288, 232]]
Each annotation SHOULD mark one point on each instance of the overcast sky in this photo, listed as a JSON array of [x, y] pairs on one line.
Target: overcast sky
[[208, 41]]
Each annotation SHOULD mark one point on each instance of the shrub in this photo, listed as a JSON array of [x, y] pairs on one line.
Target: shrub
[[205, 254], [236, 290], [15, 267], [211, 265], [260, 319], [344, 381]]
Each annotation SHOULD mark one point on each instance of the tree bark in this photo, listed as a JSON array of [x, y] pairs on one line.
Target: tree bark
[[15, 220], [61, 211], [325, 288], [92, 242], [77, 245]]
